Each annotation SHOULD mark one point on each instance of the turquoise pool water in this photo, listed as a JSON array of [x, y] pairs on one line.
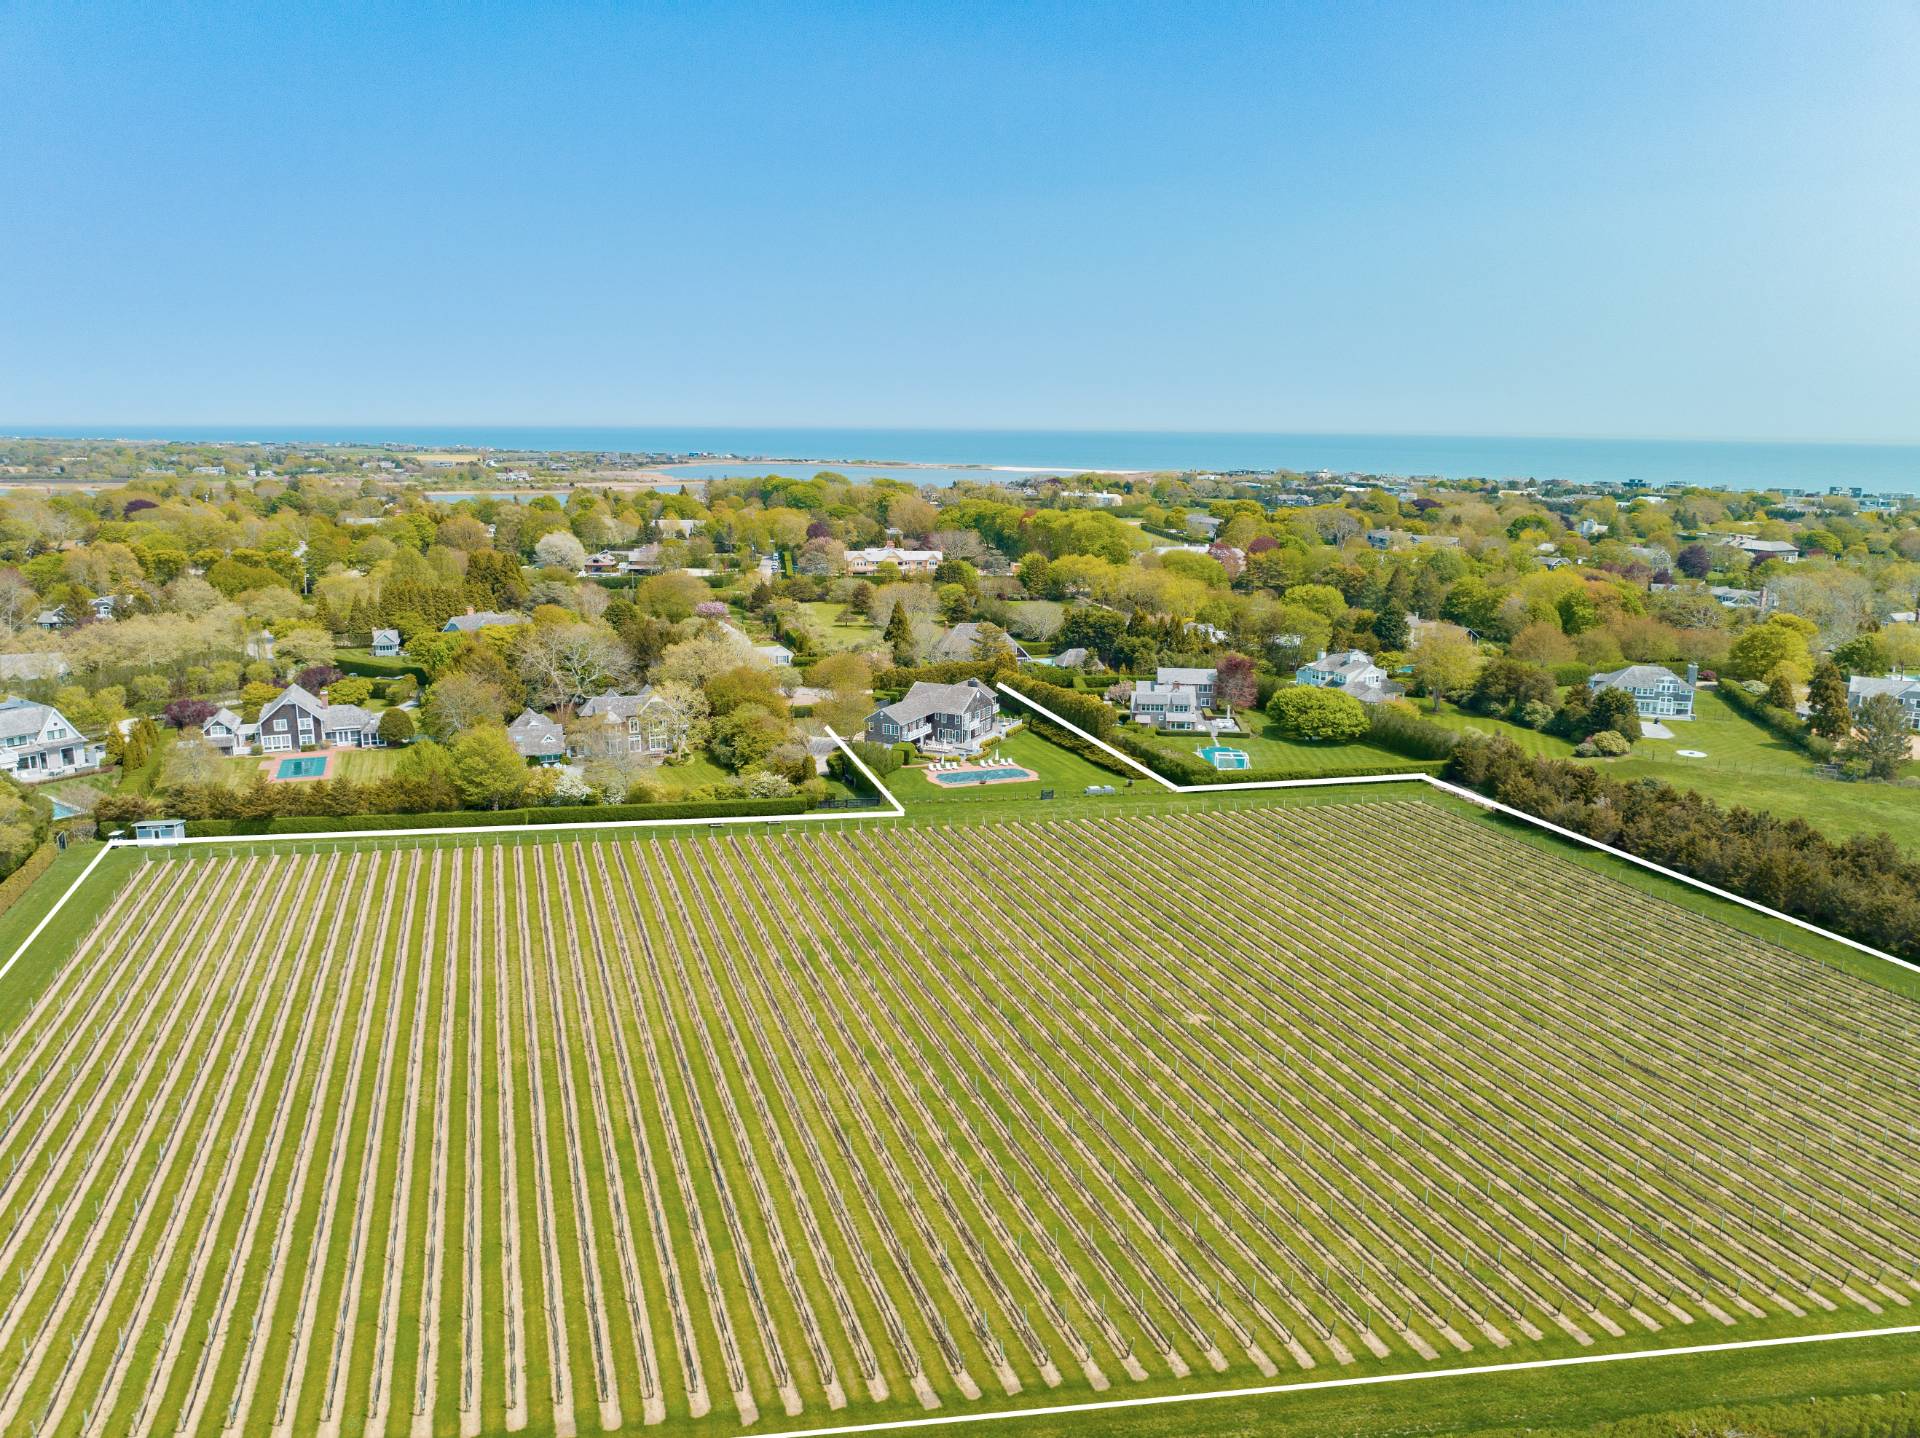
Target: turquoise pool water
[[308, 766], [1221, 757], [983, 776]]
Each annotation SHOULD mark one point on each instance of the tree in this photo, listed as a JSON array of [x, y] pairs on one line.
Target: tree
[[307, 645], [252, 697], [560, 550], [743, 739], [1507, 685], [1390, 627], [899, 635], [1881, 742], [493, 581], [1614, 710], [566, 663], [1780, 690], [460, 702], [744, 684], [187, 713], [1865, 654], [1695, 561], [1828, 715], [487, 769], [1778, 643], [396, 727], [1445, 661], [1305, 712], [1234, 682], [191, 760]]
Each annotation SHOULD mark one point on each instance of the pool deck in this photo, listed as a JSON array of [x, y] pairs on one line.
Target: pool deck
[[270, 766], [965, 778]]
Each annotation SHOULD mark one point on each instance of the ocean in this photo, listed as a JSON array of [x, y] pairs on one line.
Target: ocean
[[1733, 464]]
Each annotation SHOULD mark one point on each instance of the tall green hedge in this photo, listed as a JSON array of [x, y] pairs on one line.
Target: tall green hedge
[[369, 667], [1095, 716], [1403, 733], [494, 818]]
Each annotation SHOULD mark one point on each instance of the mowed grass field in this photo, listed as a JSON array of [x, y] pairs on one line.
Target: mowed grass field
[[793, 1128]]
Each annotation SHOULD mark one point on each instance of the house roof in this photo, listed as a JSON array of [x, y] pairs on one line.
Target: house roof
[[1637, 676], [32, 666], [24, 716], [389, 636], [1177, 695], [1195, 678], [1864, 687], [926, 699], [331, 716], [481, 619], [535, 735], [1348, 663], [959, 642], [625, 706]]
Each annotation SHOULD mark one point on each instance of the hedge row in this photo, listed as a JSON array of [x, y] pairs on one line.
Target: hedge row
[[368, 667], [21, 879], [493, 818], [1781, 723], [1095, 716], [1403, 733]]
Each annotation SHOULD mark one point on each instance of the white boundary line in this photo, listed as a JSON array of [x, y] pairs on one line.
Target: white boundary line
[[58, 904], [1323, 1384], [1480, 799], [895, 810]]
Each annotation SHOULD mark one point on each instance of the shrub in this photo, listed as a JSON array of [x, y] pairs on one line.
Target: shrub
[[1609, 744], [355, 690], [1318, 715]]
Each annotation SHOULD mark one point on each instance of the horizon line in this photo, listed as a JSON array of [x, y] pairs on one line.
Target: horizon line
[[129, 431]]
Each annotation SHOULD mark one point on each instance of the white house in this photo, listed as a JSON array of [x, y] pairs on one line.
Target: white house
[[1905, 691], [1658, 693], [228, 733], [386, 643], [1350, 670], [37, 742], [908, 561], [1200, 681], [957, 718], [1165, 706]]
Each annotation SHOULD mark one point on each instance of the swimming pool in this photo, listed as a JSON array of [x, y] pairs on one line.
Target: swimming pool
[[984, 776], [307, 766], [1222, 757]]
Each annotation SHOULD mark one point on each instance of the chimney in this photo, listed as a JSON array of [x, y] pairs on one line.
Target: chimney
[[1693, 675]]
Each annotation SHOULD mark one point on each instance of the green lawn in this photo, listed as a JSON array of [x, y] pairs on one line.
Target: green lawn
[[1066, 773], [835, 635], [1746, 765], [1271, 752], [1451, 716]]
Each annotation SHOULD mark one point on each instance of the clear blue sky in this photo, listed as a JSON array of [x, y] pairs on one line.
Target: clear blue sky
[[1666, 220]]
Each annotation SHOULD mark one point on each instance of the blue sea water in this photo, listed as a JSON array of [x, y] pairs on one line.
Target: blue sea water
[[1873, 468]]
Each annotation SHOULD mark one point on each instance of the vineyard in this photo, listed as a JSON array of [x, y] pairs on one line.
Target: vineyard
[[793, 1128]]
